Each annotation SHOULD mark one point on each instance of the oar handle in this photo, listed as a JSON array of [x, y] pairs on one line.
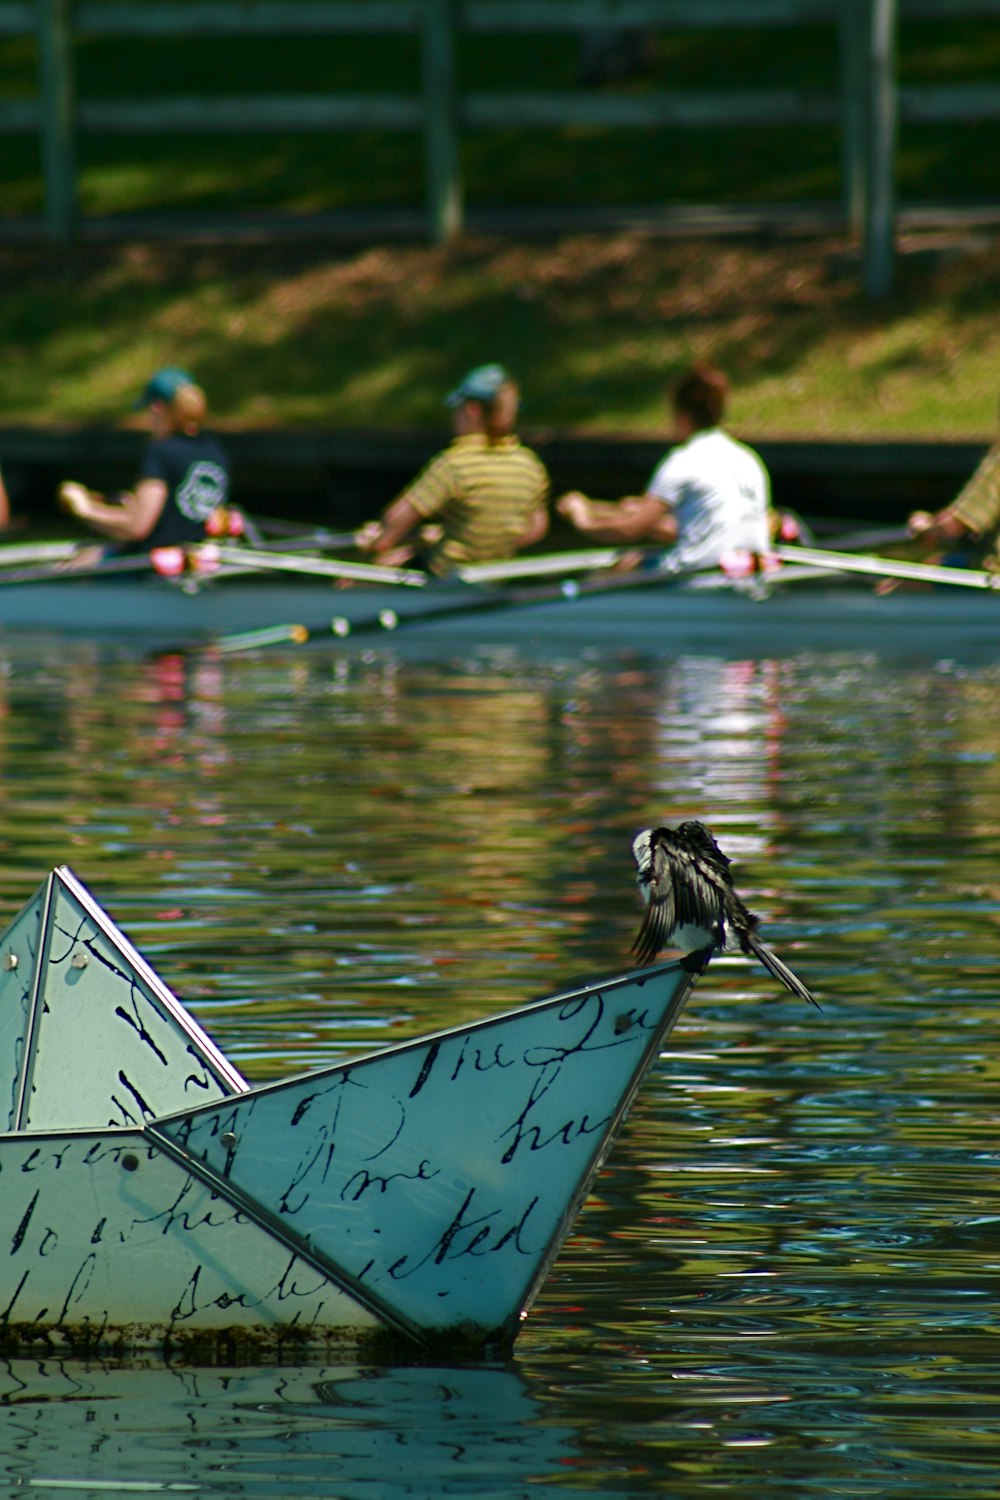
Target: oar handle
[[887, 567], [255, 560]]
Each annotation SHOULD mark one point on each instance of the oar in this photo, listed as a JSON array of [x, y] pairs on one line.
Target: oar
[[55, 572], [868, 539], [53, 561], [887, 567], [340, 626], [476, 601], [476, 573], [12, 556], [267, 635], [540, 567], [250, 559], [307, 535]]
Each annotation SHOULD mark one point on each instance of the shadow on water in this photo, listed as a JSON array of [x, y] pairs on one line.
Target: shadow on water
[[786, 1281]]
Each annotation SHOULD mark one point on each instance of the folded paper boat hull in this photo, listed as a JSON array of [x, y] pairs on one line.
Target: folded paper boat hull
[[420, 1193]]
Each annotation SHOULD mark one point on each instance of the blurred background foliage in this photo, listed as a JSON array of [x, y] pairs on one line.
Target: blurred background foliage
[[309, 329]]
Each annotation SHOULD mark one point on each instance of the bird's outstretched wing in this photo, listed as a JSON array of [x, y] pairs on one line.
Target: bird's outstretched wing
[[657, 888], [681, 889]]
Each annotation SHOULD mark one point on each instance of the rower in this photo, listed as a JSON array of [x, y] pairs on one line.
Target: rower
[[485, 495], [183, 484], [708, 499], [967, 531]]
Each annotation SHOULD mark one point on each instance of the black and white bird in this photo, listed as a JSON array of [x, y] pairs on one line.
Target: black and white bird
[[691, 904]]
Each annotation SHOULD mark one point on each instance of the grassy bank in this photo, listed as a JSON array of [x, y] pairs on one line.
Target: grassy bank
[[297, 335], [303, 335]]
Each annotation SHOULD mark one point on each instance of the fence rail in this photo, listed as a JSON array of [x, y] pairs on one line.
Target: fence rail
[[867, 104]]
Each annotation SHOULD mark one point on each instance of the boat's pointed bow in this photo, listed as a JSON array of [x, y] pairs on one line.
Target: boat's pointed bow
[[437, 1179], [89, 1033]]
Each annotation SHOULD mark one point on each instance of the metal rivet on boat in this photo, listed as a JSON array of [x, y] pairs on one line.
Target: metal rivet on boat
[[80, 960], [622, 1024], [228, 1138], [10, 961], [388, 619], [570, 589], [340, 626], [130, 1163]]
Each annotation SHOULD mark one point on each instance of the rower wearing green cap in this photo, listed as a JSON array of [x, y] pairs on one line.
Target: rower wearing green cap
[[482, 499], [183, 480]]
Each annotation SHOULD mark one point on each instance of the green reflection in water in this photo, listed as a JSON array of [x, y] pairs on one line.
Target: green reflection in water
[[787, 1281]]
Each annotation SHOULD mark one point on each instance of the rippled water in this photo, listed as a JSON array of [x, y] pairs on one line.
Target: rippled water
[[787, 1282]]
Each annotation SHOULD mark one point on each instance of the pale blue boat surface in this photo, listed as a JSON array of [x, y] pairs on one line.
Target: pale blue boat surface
[[804, 611], [150, 1197]]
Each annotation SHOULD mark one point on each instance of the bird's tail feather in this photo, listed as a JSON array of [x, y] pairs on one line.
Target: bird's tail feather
[[782, 972]]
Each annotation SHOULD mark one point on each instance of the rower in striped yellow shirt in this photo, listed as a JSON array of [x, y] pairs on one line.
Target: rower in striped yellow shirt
[[968, 530], [487, 493]]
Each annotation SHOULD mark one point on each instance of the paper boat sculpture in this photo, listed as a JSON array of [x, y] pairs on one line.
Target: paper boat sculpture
[[149, 1197]]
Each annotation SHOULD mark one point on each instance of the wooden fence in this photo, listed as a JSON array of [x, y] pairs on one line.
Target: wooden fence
[[866, 106]]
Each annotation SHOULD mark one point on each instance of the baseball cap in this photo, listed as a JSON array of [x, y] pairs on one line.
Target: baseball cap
[[481, 384], [163, 386]]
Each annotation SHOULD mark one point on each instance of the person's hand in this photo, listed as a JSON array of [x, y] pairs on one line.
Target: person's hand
[[366, 538], [573, 507], [73, 497], [919, 521], [787, 527]]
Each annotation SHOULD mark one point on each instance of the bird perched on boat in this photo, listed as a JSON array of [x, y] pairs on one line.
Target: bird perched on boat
[[691, 903]]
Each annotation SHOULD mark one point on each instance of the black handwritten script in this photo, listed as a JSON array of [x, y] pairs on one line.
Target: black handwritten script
[[108, 1052], [104, 1230], [301, 1293], [460, 1153], [427, 1184]]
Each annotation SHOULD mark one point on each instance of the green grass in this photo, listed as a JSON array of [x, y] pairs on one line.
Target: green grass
[[302, 336], [305, 335]]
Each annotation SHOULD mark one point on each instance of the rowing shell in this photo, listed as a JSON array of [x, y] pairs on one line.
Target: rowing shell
[[805, 611]]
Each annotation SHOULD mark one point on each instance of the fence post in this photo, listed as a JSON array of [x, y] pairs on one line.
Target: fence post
[[880, 183], [441, 150], [853, 86], [58, 142]]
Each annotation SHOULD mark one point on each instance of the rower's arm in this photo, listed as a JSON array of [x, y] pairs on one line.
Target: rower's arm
[[637, 518], [399, 520], [932, 529], [131, 520], [535, 530]]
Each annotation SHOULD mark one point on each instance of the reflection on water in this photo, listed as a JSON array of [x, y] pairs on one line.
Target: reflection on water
[[275, 1431], [787, 1282]]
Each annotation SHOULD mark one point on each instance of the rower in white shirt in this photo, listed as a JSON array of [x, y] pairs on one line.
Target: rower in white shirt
[[710, 498]]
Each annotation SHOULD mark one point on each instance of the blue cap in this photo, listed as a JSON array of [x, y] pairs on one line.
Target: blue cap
[[163, 386], [481, 384]]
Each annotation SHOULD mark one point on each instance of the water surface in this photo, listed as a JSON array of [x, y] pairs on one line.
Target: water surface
[[786, 1282]]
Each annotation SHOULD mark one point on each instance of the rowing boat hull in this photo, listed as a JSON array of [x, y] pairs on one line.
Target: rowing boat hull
[[667, 618], [673, 620]]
